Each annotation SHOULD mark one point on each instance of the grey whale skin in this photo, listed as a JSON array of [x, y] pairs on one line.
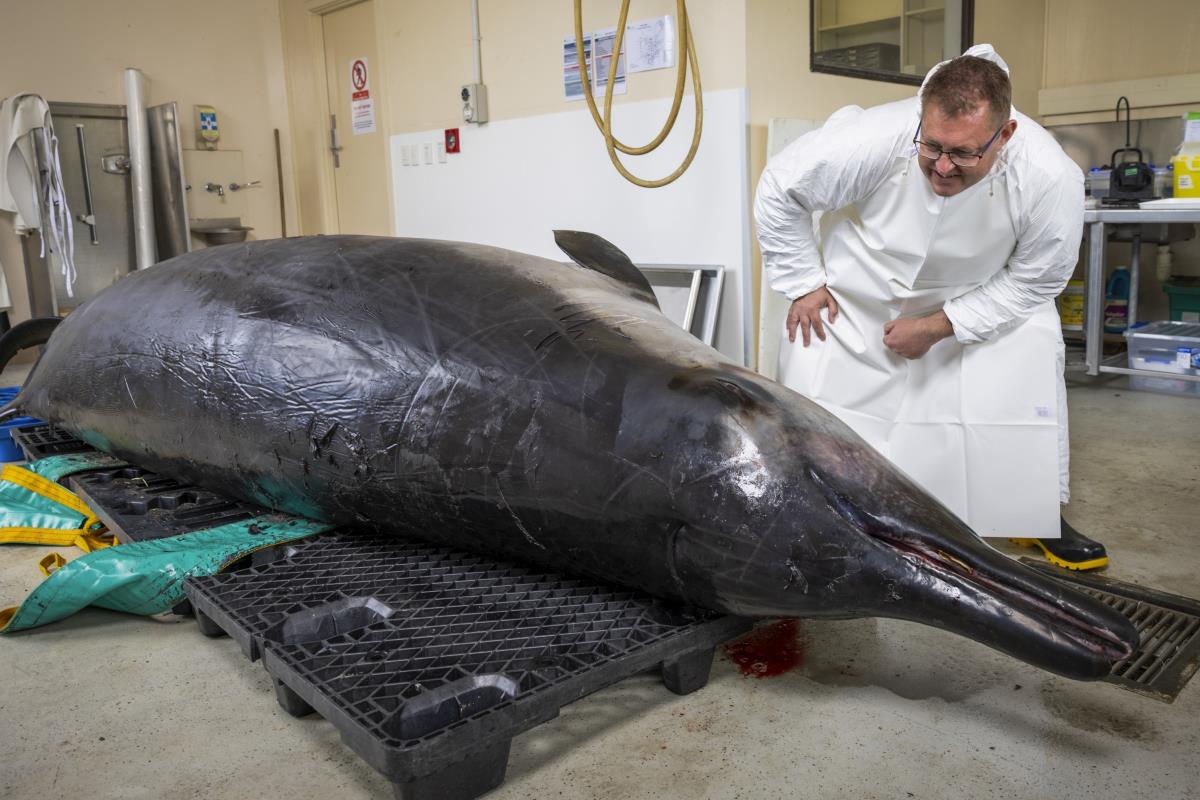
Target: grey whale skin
[[543, 411]]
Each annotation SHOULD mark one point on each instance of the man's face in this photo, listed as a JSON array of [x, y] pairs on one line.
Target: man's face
[[965, 134]]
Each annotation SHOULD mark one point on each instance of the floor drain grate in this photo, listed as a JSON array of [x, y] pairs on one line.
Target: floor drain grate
[[1169, 652]]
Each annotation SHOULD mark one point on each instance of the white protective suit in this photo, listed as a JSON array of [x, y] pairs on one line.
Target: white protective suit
[[981, 420], [26, 189]]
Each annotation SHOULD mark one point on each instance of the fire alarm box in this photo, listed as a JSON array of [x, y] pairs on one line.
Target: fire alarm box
[[452, 140]]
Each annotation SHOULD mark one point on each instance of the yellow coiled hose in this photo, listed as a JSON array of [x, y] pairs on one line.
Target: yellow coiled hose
[[687, 55]]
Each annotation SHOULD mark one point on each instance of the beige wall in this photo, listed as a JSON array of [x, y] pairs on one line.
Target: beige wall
[[1097, 41], [224, 53], [426, 52], [781, 85], [522, 54], [1016, 28]]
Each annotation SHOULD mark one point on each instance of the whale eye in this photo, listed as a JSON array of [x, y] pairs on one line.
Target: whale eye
[[720, 385]]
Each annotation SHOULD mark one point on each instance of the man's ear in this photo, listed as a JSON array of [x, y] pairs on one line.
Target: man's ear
[[1010, 128]]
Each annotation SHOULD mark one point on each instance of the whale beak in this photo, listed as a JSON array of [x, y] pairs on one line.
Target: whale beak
[[958, 582]]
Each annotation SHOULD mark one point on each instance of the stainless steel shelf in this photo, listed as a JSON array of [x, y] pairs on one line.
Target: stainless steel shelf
[[1096, 219], [1112, 365]]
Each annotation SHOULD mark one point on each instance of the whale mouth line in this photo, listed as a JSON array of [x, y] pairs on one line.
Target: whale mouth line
[[952, 569]]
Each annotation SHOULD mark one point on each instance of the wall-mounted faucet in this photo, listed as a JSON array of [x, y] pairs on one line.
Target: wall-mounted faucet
[[215, 187]]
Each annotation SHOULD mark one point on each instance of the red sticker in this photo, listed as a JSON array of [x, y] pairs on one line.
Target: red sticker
[[358, 74]]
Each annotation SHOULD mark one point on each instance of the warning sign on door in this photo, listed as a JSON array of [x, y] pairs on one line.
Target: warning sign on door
[[362, 107]]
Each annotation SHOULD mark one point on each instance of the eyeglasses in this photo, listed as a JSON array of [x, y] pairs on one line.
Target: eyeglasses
[[959, 159]]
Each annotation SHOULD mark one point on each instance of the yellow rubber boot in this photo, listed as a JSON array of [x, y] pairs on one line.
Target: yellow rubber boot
[[1072, 551]]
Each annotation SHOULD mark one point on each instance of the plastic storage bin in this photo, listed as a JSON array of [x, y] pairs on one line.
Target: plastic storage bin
[[9, 451], [1098, 182], [1187, 175], [1116, 301], [1071, 306], [1172, 348], [1183, 294]]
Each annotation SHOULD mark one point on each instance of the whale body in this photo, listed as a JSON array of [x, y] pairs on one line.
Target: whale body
[[543, 411]]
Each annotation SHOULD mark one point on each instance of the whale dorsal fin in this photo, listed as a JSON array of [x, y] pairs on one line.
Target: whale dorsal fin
[[597, 253]]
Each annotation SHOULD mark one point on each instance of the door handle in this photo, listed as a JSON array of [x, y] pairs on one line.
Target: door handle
[[334, 147], [88, 219]]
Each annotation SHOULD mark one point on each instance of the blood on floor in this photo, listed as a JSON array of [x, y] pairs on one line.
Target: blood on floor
[[768, 651]]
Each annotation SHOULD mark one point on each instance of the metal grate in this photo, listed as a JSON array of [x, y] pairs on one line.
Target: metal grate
[[1169, 652], [1166, 657]]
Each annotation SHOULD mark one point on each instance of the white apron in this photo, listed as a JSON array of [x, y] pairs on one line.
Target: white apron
[[977, 425]]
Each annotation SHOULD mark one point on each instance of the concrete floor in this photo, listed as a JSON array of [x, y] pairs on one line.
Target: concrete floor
[[109, 706]]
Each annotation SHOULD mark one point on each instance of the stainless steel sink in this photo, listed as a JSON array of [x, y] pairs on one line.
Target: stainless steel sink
[[223, 230]]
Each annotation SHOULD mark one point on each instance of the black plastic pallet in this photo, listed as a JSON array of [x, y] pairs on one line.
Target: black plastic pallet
[[430, 660], [137, 504], [43, 439]]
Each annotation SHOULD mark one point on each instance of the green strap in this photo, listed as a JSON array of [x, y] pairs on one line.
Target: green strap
[[55, 468], [147, 577]]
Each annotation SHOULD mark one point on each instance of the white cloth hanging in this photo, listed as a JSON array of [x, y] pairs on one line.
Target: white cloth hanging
[[36, 195]]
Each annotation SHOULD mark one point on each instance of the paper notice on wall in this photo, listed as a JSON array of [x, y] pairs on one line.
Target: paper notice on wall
[[601, 44], [362, 107], [650, 44]]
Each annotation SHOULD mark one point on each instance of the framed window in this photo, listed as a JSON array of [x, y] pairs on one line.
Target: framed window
[[888, 40]]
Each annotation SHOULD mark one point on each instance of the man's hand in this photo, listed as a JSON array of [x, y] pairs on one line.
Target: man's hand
[[912, 337], [806, 312]]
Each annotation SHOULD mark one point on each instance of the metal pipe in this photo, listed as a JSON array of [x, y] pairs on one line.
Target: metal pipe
[[89, 218], [139, 163], [279, 180], [476, 42], [172, 231]]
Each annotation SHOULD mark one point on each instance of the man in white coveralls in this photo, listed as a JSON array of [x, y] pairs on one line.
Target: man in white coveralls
[[923, 297]]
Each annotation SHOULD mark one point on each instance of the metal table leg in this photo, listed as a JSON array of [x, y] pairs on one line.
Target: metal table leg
[[1094, 284], [1135, 269]]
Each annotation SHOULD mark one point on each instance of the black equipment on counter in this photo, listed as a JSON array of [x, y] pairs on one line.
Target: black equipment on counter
[[1130, 181]]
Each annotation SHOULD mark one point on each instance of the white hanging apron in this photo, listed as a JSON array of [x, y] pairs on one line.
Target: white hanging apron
[[977, 425]]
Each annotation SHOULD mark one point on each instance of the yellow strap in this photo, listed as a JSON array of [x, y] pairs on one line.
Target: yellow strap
[[50, 563], [90, 542], [87, 541]]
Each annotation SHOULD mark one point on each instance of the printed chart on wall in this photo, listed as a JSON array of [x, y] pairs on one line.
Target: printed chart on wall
[[362, 107], [601, 44], [650, 44]]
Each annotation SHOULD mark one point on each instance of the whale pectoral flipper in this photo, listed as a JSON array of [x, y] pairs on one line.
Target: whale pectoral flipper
[[595, 252]]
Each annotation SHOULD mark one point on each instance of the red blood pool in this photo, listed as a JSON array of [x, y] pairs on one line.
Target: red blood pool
[[768, 651]]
